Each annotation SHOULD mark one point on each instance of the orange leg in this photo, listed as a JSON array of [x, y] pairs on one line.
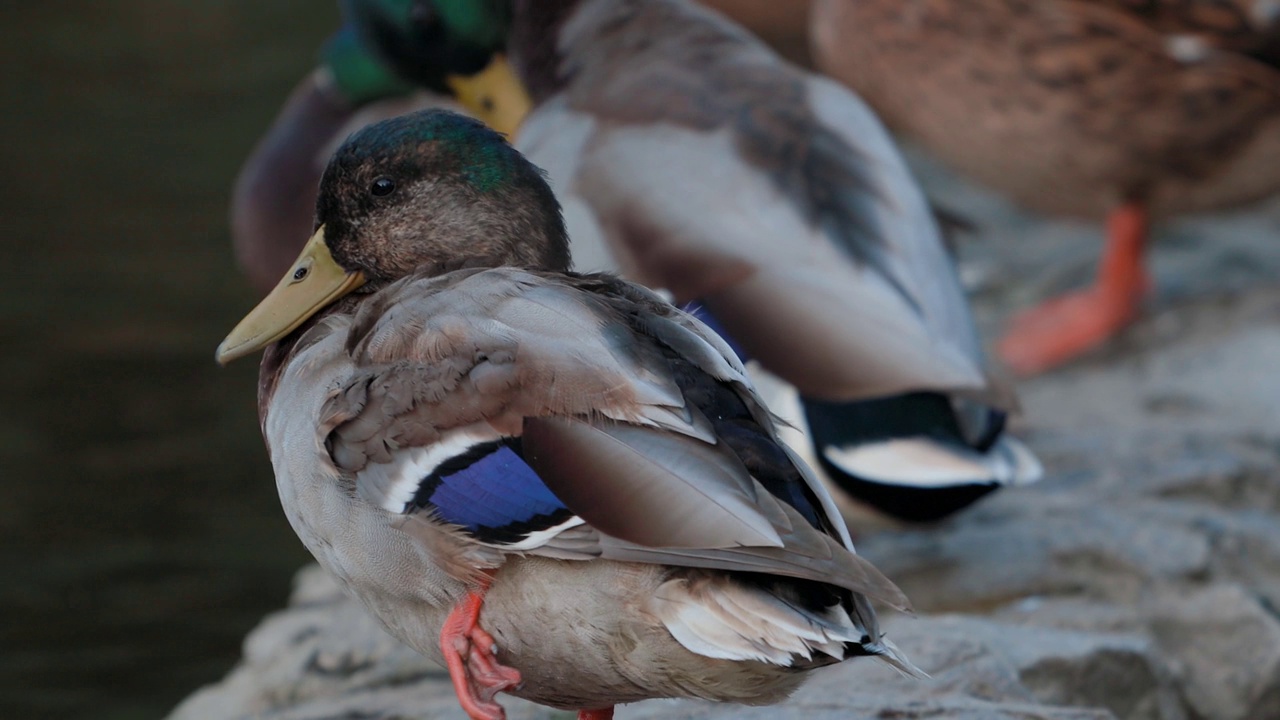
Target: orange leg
[[605, 714], [469, 654], [1066, 327]]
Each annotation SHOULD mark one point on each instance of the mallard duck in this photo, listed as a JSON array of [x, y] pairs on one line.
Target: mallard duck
[[690, 158], [557, 484], [391, 57], [1133, 110], [384, 61]]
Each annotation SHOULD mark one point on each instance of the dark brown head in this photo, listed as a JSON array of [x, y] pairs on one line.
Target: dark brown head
[[435, 191], [428, 192]]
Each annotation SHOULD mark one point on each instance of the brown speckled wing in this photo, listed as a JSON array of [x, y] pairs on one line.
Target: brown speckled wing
[[1239, 25], [1069, 106]]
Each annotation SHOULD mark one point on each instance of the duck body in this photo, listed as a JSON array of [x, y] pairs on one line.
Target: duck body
[[689, 157], [557, 484], [1130, 110], [692, 159], [1070, 107], [388, 59], [600, 617]]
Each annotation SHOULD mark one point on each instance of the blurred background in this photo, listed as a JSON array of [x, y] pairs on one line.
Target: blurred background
[[140, 532]]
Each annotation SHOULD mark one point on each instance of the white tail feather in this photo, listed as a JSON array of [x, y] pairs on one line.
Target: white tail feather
[[718, 617], [923, 462]]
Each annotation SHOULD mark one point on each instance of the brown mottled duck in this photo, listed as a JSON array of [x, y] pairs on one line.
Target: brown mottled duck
[[1128, 110]]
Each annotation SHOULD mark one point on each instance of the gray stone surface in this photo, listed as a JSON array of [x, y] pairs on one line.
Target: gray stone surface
[[1219, 644], [324, 658], [1140, 580]]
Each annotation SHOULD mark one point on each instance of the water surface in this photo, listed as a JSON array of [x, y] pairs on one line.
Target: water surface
[[140, 534]]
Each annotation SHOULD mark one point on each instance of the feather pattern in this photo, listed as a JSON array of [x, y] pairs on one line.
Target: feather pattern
[[493, 494], [1174, 102], [774, 205], [654, 418], [712, 169], [583, 418]]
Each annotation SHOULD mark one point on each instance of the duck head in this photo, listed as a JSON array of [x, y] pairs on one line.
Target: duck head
[[421, 38], [424, 193], [449, 46]]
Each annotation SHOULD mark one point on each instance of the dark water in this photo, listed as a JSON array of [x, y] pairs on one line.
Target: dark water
[[140, 534]]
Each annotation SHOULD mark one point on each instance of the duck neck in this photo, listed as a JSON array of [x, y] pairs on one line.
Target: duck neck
[[533, 44], [277, 354]]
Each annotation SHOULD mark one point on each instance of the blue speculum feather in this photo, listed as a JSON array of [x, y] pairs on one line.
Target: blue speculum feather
[[491, 492]]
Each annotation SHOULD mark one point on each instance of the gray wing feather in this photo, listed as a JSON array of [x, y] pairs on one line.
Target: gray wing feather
[[604, 423], [647, 486], [647, 493]]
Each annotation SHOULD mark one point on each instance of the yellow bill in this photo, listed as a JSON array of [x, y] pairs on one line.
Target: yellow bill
[[493, 95], [313, 282]]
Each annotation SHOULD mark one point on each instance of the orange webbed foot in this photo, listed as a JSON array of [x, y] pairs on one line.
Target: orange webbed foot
[[602, 714], [487, 674], [1063, 329], [469, 652], [1067, 327]]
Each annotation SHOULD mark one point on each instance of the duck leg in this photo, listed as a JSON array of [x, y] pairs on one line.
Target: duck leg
[[1066, 327], [602, 714], [469, 653]]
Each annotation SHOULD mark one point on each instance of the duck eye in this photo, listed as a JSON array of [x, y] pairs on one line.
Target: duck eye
[[382, 187], [299, 274]]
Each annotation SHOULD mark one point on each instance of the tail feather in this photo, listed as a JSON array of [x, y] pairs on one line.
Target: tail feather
[[717, 616], [889, 654], [909, 457], [922, 462]]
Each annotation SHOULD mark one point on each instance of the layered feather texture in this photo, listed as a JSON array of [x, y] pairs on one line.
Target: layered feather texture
[[691, 158], [1086, 104], [493, 415]]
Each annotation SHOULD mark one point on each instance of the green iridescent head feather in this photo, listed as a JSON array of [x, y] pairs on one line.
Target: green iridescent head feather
[[483, 23], [359, 74], [436, 186], [424, 41], [482, 156]]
